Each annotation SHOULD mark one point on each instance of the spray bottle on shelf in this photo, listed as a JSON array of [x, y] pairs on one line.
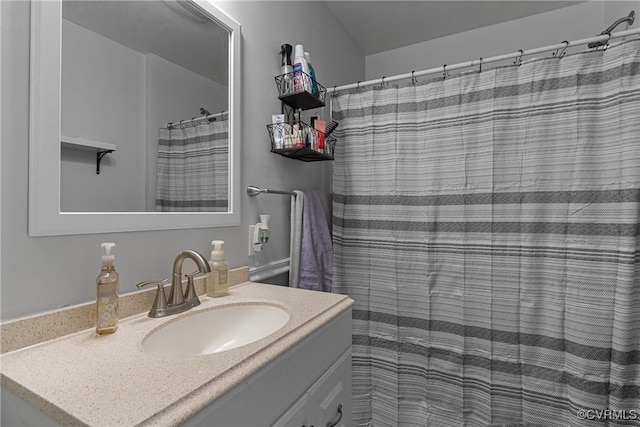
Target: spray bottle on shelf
[[218, 278], [107, 294], [301, 81], [286, 69]]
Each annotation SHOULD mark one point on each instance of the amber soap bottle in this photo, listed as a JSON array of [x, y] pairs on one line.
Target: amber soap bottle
[[107, 294]]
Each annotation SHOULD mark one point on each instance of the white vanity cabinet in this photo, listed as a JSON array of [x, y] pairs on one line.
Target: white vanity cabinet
[[305, 386], [299, 375], [326, 403]]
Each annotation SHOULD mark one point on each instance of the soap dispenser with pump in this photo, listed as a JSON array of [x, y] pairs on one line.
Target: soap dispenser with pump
[[107, 294], [218, 278]]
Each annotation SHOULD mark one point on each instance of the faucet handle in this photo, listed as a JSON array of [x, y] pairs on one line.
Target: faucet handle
[[160, 303], [190, 295]]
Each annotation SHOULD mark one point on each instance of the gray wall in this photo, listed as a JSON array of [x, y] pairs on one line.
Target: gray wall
[[42, 273], [569, 23]]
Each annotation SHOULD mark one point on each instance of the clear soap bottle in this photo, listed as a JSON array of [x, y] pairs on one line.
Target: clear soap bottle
[[218, 278], [107, 294]]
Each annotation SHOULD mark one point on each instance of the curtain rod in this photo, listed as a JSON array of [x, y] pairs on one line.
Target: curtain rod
[[479, 62], [195, 119]]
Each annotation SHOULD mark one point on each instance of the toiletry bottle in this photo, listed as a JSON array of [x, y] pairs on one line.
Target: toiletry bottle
[[218, 278], [107, 294], [278, 130], [301, 81], [286, 69], [298, 137], [312, 73], [320, 126], [288, 135]]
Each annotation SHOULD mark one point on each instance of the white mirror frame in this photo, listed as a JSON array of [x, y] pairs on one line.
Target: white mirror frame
[[45, 217]]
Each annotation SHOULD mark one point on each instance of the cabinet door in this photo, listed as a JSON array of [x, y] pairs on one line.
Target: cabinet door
[[296, 416], [330, 397]]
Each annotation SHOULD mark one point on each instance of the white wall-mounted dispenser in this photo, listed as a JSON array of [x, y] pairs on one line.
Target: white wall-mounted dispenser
[[259, 234]]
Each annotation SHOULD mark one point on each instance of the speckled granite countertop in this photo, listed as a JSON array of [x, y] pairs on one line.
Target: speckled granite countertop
[[83, 379]]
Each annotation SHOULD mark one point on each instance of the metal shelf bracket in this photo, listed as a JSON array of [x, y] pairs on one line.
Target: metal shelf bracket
[[99, 156]]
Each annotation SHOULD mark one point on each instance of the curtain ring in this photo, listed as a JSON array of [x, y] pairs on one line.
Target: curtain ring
[[444, 71], [518, 60], [480, 66], [413, 77], [564, 50], [358, 85], [605, 46], [382, 83]]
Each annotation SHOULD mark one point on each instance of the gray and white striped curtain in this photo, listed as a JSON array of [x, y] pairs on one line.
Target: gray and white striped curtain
[[487, 228], [193, 168]]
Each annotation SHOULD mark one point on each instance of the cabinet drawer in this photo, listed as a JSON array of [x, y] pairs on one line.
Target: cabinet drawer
[[330, 396]]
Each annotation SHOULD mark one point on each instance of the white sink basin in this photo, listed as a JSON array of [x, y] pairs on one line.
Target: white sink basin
[[215, 330]]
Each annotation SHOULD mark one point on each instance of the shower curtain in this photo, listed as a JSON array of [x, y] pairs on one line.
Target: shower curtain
[[486, 226], [193, 166]]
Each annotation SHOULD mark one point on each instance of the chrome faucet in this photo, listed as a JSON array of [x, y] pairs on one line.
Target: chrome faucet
[[179, 300]]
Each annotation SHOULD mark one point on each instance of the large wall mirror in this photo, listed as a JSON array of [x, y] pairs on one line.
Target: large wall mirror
[[134, 116]]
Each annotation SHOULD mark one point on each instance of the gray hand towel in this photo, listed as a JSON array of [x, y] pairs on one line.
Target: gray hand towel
[[316, 249]]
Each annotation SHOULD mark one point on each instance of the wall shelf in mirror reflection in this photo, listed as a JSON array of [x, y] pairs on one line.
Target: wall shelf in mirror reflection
[[100, 148], [124, 86]]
